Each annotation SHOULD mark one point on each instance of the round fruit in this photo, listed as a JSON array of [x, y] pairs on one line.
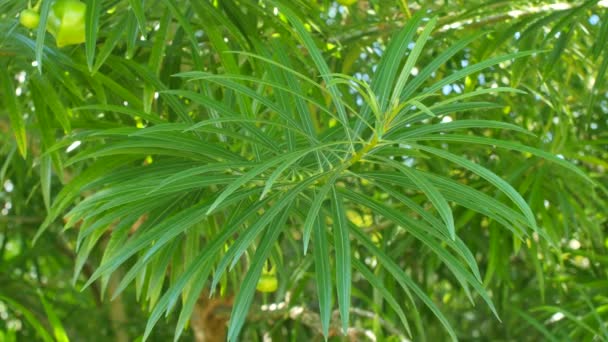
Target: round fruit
[[267, 283], [66, 22], [29, 18]]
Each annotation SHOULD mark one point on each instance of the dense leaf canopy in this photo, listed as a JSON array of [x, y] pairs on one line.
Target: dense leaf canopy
[[301, 170]]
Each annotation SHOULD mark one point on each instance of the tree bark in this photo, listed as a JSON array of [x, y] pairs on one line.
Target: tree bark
[[209, 319]]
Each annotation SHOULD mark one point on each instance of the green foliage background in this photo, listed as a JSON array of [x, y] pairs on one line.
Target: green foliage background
[[427, 170]]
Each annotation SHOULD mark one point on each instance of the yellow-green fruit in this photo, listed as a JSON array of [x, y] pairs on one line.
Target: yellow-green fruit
[[66, 22], [29, 18], [268, 283], [346, 2], [376, 238]]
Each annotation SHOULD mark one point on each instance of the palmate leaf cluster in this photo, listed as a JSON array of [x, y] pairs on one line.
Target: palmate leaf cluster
[[402, 161]]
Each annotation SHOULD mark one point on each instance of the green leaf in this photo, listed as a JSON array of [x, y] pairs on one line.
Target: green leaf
[[132, 32], [411, 61], [29, 317], [423, 130], [403, 279], [185, 315], [286, 158], [472, 69], [420, 232], [47, 128], [304, 113], [91, 29], [201, 262], [228, 115], [462, 195], [426, 110], [244, 297], [13, 107], [72, 190], [248, 237], [160, 234], [58, 330], [138, 10], [343, 262], [489, 176], [378, 285], [53, 100], [575, 319], [457, 244], [200, 266], [41, 32], [315, 207], [443, 57], [225, 80], [45, 180], [510, 146], [121, 110], [383, 81], [537, 325], [599, 80], [321, 65], [112, 39], [439, 202], [157, 55], [322, 273]]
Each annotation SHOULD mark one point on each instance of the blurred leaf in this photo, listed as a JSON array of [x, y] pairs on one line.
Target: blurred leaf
[[58, 330], [13, 108]]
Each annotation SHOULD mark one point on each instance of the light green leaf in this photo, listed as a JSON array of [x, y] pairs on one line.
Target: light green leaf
[[411, 61], [58, 330]]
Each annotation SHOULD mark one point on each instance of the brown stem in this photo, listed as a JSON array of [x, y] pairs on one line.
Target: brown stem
[[209, 318]]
